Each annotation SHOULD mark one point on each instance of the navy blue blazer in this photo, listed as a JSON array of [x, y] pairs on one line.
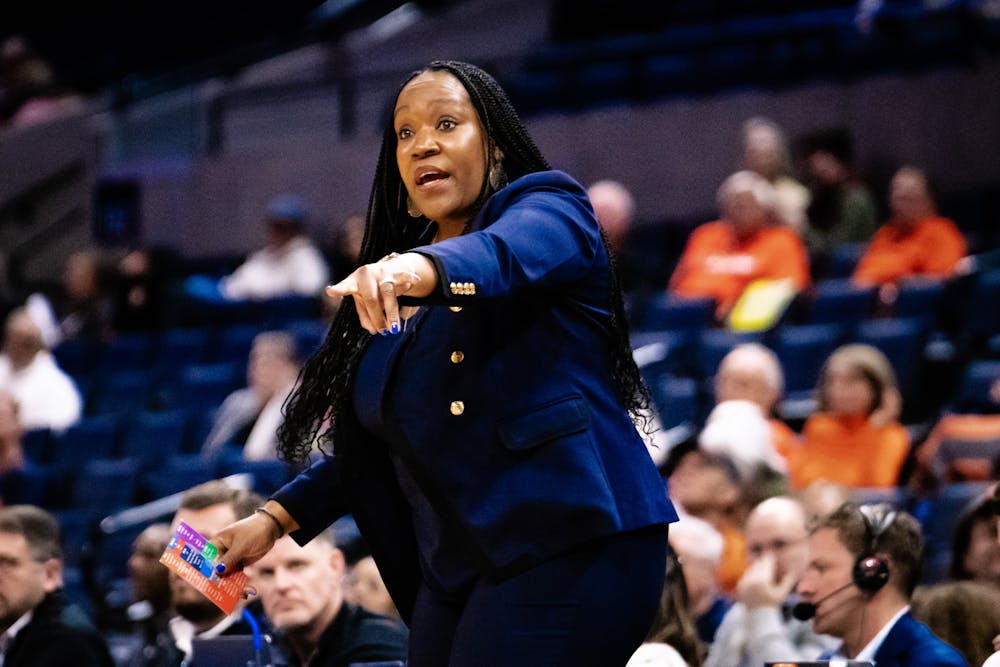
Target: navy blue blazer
[[910, 643], [504, 401]]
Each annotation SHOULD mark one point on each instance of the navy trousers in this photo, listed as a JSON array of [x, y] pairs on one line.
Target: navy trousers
[[592, 606]]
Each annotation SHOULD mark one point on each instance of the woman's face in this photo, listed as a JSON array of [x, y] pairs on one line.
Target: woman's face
[[441, 149], [847, 390]]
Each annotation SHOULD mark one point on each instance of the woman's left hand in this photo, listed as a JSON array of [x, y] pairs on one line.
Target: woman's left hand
[[376, 287]]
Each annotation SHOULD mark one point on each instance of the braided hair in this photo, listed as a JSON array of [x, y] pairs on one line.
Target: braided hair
[[323, 394]]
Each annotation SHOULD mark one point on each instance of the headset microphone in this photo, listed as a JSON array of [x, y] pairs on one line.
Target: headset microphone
[[803, 611]]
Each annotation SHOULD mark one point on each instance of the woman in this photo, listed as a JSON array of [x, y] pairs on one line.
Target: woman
[[482, 442], [855, 438]]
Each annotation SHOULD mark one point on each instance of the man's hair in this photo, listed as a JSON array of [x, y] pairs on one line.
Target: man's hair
[[901, 541], [39, 528], [282, 341], [217, 492], [762, 360]]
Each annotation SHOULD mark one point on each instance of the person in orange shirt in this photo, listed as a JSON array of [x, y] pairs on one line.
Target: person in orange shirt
[[752, 372], [723, 257], [855, 438], [916, 241]]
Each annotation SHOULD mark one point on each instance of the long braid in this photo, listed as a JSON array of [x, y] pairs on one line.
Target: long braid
[[326, 381]]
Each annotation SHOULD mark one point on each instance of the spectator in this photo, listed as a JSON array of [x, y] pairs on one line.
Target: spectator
[[975, 550], [842, 209], [855, 438], [994, 660], [765, 152], [46, 395], [207, 508], [915, 242], [673, 640], [864, 563], [288, 264], [301, 591], [365, 588], [723, 257], [757, 628], [738, 434], [11, 431], [614, 208], [147, 578], [30, 93], [37, 628], [347, 246], [963, 613], [752, 372], [83, 309], [249, 418], [960, 447], [698, 546]]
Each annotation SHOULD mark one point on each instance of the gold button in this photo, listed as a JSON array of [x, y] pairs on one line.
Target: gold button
[[455, 309], [457, 408], [454, 288], [457, 357]]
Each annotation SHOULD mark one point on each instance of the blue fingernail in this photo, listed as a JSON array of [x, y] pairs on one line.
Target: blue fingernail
[[394, 328], [220, 568]]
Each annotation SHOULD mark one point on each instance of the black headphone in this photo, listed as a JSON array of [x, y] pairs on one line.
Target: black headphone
[[871, 569]]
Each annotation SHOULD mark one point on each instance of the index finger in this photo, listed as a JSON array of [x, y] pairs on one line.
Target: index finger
[[390, 305], [345, 287]]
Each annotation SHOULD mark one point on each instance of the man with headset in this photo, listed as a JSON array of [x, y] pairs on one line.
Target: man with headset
[[864, 563]]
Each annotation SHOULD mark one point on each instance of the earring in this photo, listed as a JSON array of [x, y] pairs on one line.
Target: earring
[[498, 177], [411, 208]]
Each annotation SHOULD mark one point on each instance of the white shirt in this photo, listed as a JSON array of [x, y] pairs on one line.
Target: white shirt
[[262, 441], [46, 396], [867, 654], [7, 638], [993, 660], [298, 268], [184, 632]]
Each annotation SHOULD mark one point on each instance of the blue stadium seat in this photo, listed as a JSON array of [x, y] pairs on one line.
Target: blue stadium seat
[[840, 301], [37, 445], [901, 340], [667, 312], [182, 347], [151, 436], [76, 357], [802, 350], [92, 437], [104, 485], [200, 386], [309, 334], [31, 485], [973, 395], [120, 391], [982, 316], [676, 401], [268, 476], [177, 473], [233, 343], [918, 299], [126, 352], [844, 259], [714, 344]]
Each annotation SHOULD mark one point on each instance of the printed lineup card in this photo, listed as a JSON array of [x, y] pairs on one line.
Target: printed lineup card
[[192, 558]]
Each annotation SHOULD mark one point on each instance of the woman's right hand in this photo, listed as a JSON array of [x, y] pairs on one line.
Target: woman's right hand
[[246, 541]]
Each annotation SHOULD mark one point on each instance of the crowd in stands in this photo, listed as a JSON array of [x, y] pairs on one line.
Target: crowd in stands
[[784, 425]]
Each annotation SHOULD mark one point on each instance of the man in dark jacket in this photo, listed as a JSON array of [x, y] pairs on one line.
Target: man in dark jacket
[[36, 631], [301, 590]]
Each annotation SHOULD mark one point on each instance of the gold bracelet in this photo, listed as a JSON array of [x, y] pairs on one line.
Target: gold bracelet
[[265, 512]]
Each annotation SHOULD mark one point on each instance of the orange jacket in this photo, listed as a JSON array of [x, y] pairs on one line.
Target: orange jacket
[[931, 249], [716, 264], [849, 451]]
